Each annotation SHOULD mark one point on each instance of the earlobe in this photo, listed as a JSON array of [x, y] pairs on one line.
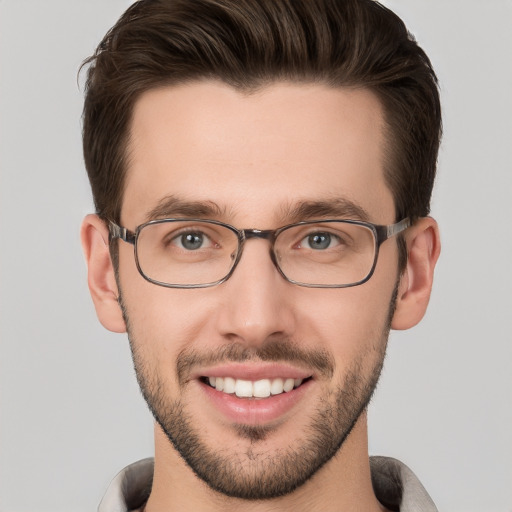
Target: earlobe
[[100, 275], [423, 248]]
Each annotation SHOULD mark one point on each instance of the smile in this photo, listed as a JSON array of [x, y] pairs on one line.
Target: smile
[[256, 394], [262, 388]]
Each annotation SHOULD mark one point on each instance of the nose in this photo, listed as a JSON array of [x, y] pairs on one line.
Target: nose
[[257, 302]]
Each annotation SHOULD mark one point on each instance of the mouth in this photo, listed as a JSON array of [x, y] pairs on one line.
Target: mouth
[[255, 393], [246, 395], [257, 389]]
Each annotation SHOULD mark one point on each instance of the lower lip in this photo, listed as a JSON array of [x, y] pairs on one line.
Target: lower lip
[[255, 411]]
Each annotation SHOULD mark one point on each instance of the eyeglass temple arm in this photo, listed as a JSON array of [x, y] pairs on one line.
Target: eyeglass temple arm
[[116, 231], [385, 232]]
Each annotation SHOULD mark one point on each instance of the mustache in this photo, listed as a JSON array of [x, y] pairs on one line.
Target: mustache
[[271, 351]]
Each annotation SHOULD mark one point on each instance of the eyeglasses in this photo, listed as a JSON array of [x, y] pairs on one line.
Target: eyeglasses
[[198, 253]]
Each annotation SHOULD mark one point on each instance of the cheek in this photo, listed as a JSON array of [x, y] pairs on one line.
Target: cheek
[[346, 322], [162, 321], [165, 316]]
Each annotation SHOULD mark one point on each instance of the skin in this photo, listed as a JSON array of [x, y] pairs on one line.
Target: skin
[[254, 155]]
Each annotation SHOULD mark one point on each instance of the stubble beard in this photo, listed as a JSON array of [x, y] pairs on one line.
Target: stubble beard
[[256, 473]]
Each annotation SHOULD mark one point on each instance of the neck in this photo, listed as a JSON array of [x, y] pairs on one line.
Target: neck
[[343, 483]]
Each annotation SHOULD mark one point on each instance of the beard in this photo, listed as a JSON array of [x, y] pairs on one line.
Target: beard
[[256, 473]]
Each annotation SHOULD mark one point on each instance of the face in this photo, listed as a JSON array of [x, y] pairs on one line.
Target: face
[[255, 161]]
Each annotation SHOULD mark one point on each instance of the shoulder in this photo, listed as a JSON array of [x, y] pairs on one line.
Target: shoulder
[[130, 488], [397, 487]]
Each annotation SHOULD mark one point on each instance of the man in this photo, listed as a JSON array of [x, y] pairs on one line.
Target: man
[[262, 172]]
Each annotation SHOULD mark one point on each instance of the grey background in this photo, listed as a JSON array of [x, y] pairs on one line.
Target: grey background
[[71, 414]]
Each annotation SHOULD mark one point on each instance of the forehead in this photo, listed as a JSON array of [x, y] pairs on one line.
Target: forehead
[[256, 155]]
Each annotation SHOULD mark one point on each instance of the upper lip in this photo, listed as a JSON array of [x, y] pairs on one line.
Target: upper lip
[[253, 371]]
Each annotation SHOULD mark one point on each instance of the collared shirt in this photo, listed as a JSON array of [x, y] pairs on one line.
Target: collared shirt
[[395, 486]]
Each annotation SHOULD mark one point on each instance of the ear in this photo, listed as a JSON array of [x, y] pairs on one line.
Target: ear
[[101, 277], [423, 248]]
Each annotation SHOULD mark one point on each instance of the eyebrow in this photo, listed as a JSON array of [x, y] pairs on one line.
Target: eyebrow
[[173, 206], [337, 208], [342, 208]]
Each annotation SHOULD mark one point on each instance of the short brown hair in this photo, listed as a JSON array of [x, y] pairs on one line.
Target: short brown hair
[[252, 43]]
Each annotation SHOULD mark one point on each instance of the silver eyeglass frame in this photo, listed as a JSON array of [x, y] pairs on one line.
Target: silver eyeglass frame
[[381, 233]]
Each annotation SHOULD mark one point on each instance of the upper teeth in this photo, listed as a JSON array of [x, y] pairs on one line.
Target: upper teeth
[[258, 389]]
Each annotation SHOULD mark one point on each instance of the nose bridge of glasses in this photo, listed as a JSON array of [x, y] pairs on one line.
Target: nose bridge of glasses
[[265, 234]]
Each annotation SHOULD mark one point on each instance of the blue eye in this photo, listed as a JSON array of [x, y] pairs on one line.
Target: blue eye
[[318, 241], [192, 241]]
